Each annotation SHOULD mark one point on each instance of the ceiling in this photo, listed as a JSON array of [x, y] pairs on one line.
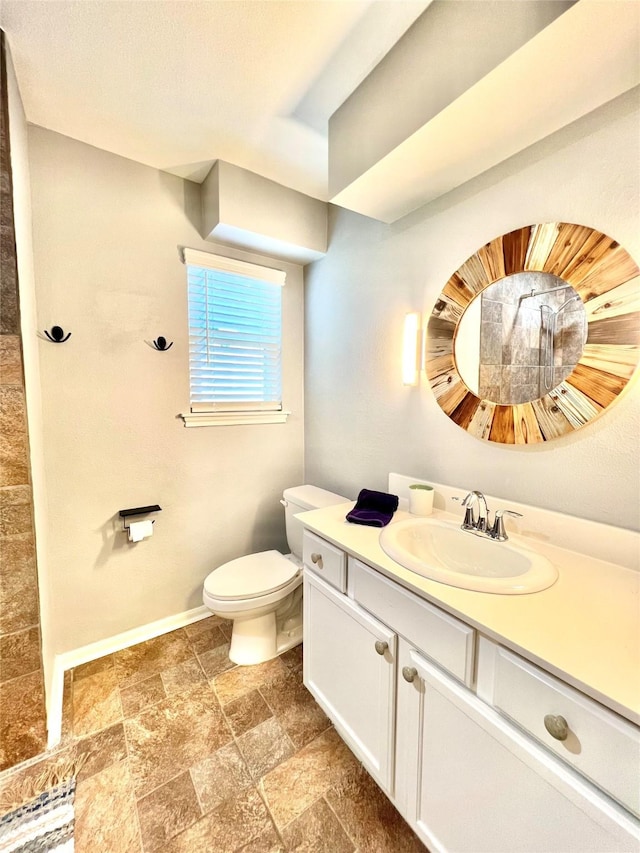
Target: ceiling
[[178, 85]]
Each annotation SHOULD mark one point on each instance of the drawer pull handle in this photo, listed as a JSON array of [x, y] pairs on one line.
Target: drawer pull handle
[[556, 726], [381, 647], [409, 673], [316, 559]]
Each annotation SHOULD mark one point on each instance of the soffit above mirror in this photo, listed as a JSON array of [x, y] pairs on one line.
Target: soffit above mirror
[[406, 136], [565, 259]]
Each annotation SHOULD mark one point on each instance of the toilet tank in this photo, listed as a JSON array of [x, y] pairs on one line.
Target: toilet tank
[[300, 499]]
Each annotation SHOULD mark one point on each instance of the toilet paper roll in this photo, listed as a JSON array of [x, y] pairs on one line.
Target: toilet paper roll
[[139, 530]]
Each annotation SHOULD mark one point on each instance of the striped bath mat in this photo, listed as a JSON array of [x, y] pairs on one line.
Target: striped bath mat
[[43, 824]]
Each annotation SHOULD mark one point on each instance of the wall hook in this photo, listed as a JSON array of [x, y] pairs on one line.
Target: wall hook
[[161, 344], [57, 335]]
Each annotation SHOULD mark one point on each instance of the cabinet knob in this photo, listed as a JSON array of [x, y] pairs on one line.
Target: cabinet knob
[[316, 559], [409, 673], [556, 726], [381, 647]]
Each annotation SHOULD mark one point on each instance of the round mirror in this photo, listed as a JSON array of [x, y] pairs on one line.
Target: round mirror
[[536, 334], [520, 338]]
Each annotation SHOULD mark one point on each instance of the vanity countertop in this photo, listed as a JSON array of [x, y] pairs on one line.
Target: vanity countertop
[[585, 628]]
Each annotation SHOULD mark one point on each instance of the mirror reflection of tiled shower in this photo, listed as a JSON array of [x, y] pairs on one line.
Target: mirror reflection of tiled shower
[[533, 329]]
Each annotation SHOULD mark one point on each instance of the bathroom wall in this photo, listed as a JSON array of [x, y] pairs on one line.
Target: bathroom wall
[[22, 701], [105, 235], [362, 423]]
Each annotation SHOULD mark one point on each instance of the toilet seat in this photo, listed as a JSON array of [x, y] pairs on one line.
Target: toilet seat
[[249, 577]]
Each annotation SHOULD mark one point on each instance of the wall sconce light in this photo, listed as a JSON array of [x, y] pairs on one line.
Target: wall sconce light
[[411, 349]]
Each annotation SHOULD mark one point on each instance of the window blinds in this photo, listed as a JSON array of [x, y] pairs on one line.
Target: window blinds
[[235, 334]]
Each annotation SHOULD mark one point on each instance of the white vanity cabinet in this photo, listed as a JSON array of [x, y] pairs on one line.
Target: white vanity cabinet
[[467, 770], [470, 781], [350, 668]]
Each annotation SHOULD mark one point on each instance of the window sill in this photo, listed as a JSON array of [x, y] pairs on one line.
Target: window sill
[[208, 419]]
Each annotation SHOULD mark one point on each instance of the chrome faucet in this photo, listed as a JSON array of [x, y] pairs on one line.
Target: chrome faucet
[[497, 530], [481, 523], [470, 522]]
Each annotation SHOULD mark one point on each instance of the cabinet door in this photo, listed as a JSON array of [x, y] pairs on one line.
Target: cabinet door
[[469, 781], [349, 667]]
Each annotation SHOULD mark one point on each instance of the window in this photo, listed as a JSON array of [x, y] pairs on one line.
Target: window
[[235, 341]]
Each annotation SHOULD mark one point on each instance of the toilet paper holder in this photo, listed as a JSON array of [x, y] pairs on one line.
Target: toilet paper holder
[[138, 510]]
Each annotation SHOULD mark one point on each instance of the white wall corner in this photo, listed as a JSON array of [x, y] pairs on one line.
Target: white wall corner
[[30, 354]]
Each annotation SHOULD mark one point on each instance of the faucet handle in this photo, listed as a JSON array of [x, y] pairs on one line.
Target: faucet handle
[[469, 522], [482, 522], [497, 530]]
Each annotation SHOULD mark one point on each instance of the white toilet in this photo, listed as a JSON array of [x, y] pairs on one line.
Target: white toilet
[[262, 592]]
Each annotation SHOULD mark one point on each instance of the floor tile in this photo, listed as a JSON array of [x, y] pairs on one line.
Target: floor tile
[[292, 658], [172, 735], [93, 667], [227, 829], [301, 716], [317, 830], [209, 638], [265, 747], [266, 842], [186, 748], [219, 777], [167, 811], [242, 679], [141, 695], [203, 625], [216, 660], [150, 658], [369, 817], [100, 750], [105, 813], [182, 676], [297, 783], [246, 712], [96, 702]]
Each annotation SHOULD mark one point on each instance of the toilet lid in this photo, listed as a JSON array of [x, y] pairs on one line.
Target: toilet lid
[[251, 576]]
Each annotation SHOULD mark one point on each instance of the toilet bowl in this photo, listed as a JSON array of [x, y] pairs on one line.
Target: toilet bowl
[[250, 590], [262, 592]]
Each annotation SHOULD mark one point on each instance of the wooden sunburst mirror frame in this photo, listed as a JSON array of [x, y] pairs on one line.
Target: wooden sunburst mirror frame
[[608, 281]]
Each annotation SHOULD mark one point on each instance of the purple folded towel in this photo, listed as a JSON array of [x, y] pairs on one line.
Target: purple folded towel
[[374, 509]]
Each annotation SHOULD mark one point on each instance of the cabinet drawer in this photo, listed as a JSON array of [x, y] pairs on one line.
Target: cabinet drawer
[[597, 742], [443, 638], [325, 560]]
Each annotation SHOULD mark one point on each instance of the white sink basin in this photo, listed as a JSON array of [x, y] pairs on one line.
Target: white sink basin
[[441, 551]]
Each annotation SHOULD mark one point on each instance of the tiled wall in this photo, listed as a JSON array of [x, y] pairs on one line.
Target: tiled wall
[[22, 709], [513, 345]]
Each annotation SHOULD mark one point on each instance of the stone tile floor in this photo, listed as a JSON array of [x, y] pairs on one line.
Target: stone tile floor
[[186, 752]]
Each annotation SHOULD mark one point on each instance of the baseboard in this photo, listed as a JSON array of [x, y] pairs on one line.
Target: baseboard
[[92, 651]]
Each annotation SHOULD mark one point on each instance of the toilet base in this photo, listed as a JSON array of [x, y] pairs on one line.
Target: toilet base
[[253, 640], [258, 640]]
